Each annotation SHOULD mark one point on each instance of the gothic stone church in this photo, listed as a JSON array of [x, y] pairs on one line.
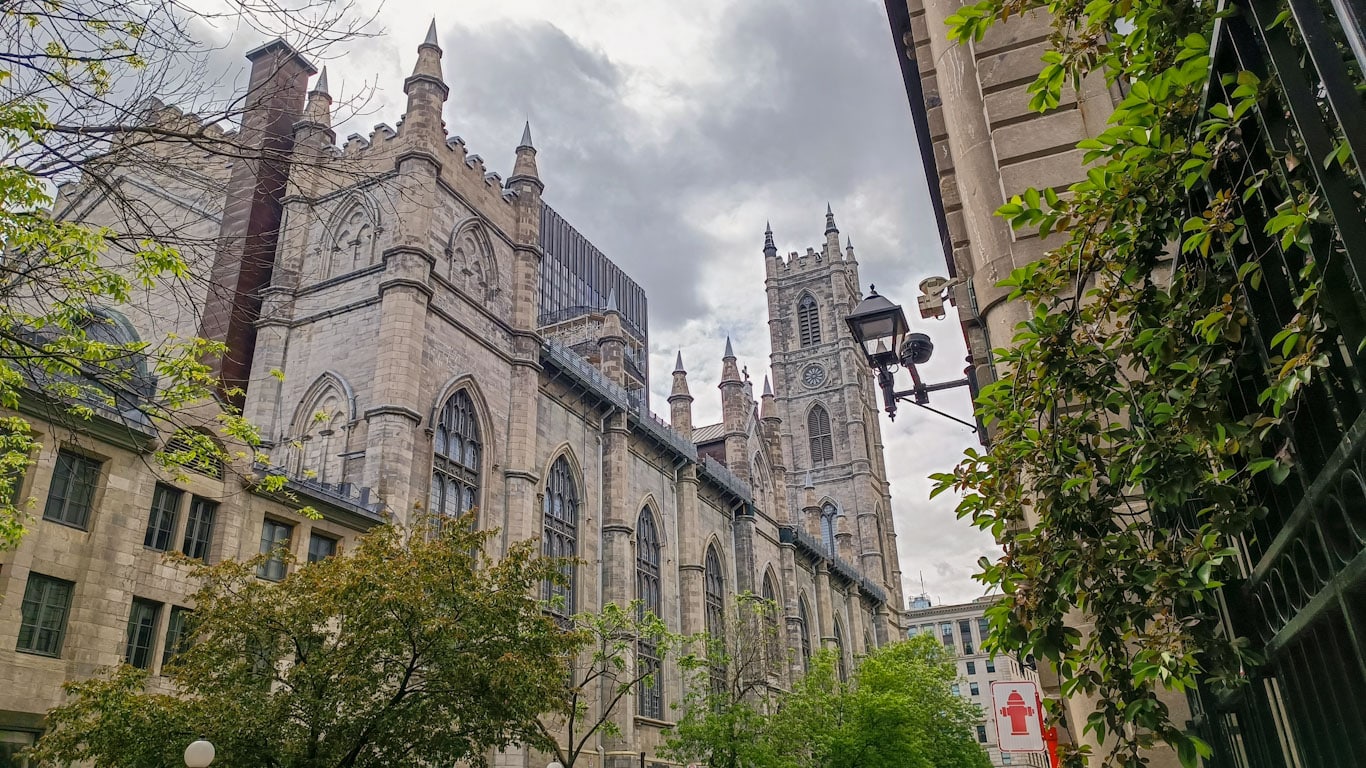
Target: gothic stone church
[[449, 341]]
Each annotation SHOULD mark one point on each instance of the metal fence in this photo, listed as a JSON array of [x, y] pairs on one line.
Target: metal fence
[[1303, 601]]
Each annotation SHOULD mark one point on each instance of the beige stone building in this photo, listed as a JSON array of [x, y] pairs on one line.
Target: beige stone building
[[980, 145], [962, 628], [412, 332]]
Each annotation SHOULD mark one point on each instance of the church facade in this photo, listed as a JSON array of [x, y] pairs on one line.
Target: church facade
[[412, 332]]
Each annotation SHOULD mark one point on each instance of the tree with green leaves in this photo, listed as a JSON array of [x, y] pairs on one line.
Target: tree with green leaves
[[1120, 477], [415, 648], [602, 679], [730, 688], [898, 710]]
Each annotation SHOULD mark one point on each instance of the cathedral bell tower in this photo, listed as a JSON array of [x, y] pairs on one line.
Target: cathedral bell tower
[[825, 394]]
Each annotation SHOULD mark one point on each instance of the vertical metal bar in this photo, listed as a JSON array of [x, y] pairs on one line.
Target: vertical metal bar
[[1342, 96]]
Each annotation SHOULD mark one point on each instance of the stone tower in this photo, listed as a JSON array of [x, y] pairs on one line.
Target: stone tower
[[824, 394]]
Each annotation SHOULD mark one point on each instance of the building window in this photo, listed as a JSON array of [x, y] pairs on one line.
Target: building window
[[73, 490], [161, 521], [912, 632], [714, 605], [981, 734], [974, 689], [1005, 758], [965, 633], [199, 528], [804, 623], [43, 615], [559, 537], [177, 633], [839, 652], [983, 630], [274, 543], [808, 321], [773, 641], [818, 431], [956, 689], [972, 667], [991, 666], [457, 455], [320, 547], [650, 699], [828, 513], [946, 631], [142, 627]]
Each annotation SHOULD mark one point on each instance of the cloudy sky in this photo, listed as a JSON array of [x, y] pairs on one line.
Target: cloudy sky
[[668, 133]]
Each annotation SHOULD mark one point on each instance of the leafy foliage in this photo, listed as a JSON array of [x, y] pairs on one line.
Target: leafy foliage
[[1119, 479], [413, 649], [897, 711], [597, 686]]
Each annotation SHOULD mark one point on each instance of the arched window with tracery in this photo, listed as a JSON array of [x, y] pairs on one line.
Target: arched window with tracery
[[456, 457], [808, 321], [650, 696], [839, 651], [828, 515], [318, 433], [804, 629], [559, 538], [714, 589], [818, 433], [772, 608], [353, 244]]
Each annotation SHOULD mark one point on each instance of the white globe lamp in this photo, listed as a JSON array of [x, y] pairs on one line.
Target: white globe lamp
[[199, 754]]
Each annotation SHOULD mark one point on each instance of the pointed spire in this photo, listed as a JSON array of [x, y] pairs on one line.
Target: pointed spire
[[830, 220], [524, 169], [426, 89], [730, 352], [768, 388], [431, 34], [768, 240], [318, 108], [678, 363], [612, 300]]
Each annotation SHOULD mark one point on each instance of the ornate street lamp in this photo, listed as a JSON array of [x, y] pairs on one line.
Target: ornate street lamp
[[880, 328]]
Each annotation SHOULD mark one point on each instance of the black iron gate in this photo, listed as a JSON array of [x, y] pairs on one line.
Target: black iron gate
[[1303, 602]]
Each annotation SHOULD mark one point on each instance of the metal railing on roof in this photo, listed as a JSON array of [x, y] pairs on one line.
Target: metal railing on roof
[[590, 377], [727, 479]]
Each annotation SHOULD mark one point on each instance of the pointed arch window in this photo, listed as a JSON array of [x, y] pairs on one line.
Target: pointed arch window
[[839, 652], [808, 321], [456, 458], [559, 538], [818, 432], [828, 514], [354, 244], [803, 628], [773, 641], [650, 696], [714, 588]]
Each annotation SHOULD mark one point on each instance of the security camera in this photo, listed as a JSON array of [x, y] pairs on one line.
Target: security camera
[[931, 300], [916, 349]]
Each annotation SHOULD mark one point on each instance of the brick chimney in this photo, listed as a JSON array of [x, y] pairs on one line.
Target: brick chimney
[[250, 228]]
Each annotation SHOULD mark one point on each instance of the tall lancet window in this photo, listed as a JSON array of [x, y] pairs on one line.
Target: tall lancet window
[[808, 321], [714, 587], [773, 642], [650, 698], [818, 432], [456, 457], [828, 513], [804, 629], [839, 651], [559, 539]]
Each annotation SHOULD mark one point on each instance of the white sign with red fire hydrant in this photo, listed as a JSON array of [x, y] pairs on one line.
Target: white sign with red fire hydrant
[[1019, 726]]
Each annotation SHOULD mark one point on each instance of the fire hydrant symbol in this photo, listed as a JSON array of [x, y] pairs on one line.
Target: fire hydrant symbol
[[1019, 714]]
